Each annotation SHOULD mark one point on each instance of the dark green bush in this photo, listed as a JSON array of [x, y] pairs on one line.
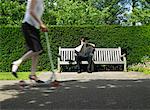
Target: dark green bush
[[134, 41]]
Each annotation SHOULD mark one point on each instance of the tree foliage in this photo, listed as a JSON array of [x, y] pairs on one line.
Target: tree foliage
[[11, 12], [135, 12], [141, 12], [78, 12], [69, 12]]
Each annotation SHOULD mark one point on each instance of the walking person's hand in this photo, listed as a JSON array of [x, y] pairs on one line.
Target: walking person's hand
[[43, 28]]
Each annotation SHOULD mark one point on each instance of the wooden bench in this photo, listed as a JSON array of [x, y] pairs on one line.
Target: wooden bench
[[101, 56]]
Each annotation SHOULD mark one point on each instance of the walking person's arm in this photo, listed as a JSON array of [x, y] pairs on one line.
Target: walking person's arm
[[42, 25]]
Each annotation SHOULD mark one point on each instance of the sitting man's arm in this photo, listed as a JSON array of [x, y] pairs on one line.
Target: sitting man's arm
[[93, 45]]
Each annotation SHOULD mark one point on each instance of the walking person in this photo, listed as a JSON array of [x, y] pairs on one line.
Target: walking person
[[31, 26]]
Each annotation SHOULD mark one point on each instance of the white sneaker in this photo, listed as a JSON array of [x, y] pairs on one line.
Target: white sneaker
[[14, 67]]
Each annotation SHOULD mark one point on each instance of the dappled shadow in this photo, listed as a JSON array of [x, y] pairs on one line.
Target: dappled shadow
[[81, 94]]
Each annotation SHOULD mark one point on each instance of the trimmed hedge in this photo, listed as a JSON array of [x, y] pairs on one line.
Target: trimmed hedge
[[134, 41]]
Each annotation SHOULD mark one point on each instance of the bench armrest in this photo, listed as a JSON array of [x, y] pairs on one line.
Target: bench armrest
[[75, 53], [123, 55], [59, 57]]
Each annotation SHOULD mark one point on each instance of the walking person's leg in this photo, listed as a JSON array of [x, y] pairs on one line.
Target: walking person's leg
[[18, 62], [33, 76], [34, 64]]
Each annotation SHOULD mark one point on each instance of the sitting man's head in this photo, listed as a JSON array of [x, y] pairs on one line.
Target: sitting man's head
[[84, 39]]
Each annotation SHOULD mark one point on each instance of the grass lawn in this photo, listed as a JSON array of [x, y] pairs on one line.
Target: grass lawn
[[21, 75]]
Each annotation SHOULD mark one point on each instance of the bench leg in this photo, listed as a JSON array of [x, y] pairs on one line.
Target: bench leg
[[59, 69], [125, 64], [125, 68]]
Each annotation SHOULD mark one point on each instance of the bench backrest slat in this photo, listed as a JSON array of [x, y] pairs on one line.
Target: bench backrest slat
[[100, 54], [67, 54], [107, 54]]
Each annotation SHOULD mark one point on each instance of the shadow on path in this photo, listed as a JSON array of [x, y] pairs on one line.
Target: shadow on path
[[81, 94]]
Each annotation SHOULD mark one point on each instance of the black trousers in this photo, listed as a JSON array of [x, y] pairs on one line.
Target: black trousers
[[90, 66]]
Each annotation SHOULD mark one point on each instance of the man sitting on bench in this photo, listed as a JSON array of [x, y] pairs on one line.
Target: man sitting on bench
[[85, 52]]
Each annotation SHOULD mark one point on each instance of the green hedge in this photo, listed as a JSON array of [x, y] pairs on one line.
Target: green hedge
[[134, 41]]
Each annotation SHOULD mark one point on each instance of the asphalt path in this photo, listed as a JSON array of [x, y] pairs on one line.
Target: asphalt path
[[98, 94]]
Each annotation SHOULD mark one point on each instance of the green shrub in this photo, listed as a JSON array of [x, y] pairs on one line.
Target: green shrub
[[144, 66], [134, 41]]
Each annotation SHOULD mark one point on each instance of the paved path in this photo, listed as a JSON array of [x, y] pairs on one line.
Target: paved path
[[96, 91], [96, 75]]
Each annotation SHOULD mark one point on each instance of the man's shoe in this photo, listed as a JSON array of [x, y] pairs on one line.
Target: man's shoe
[[14, 70], [89, 71], [14, 67], [39, 81], [35, 78], [14, 74], [79, 71]]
